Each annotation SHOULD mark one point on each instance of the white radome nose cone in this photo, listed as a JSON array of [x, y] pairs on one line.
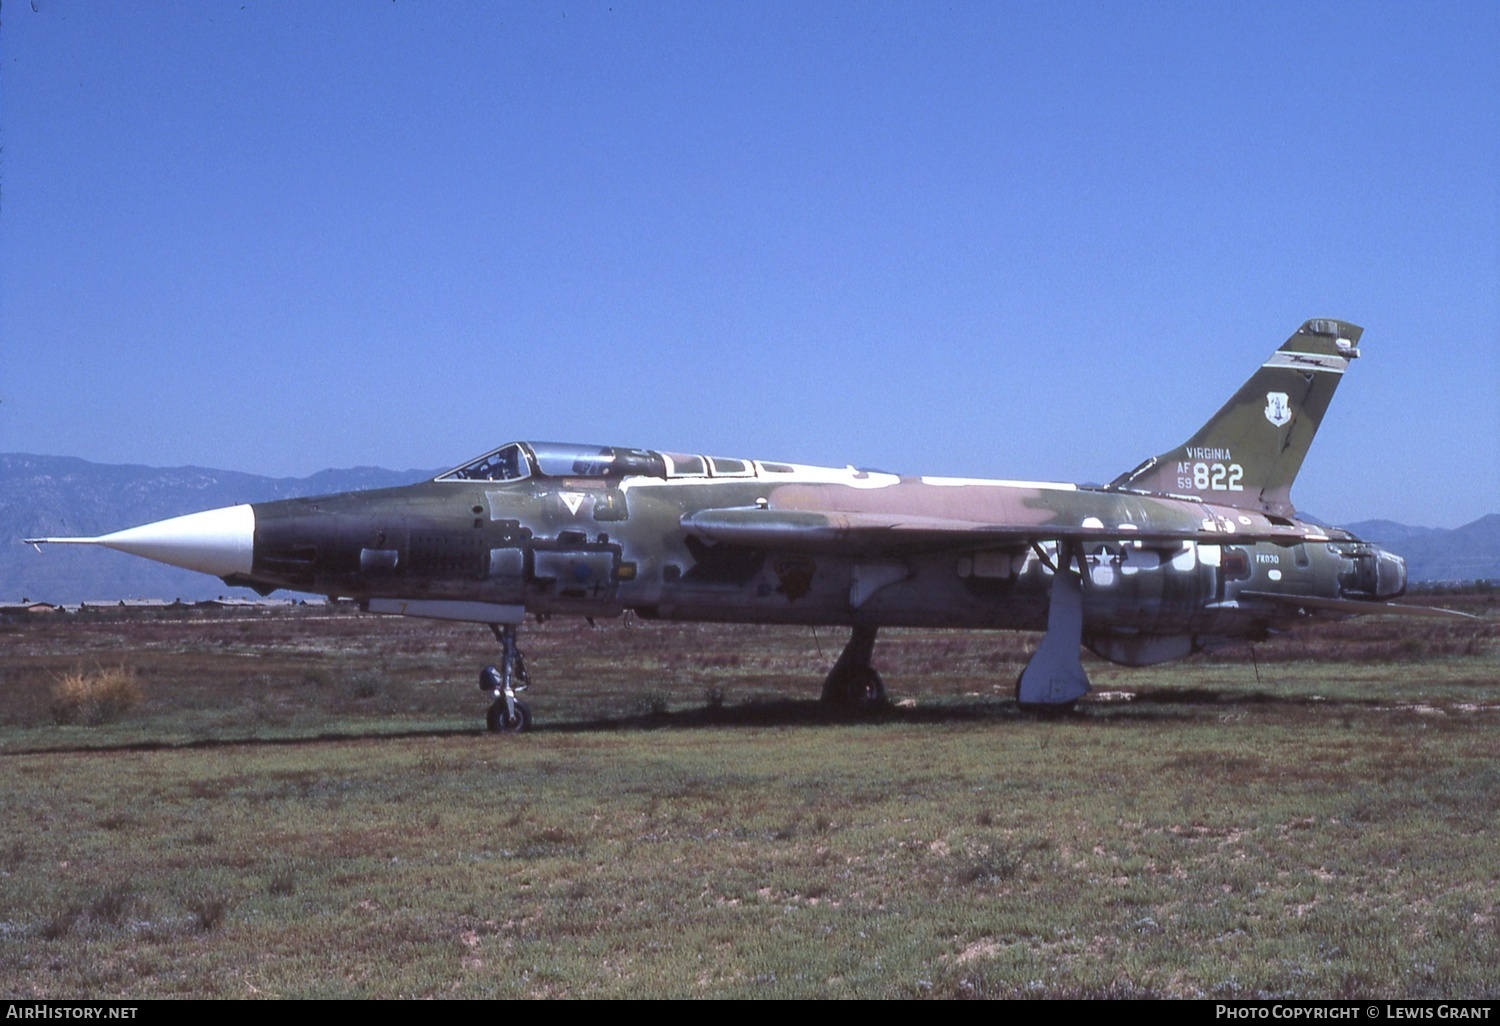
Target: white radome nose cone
[[217, 541]]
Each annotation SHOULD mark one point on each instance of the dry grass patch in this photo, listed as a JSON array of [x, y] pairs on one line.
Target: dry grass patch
[[95, 698]]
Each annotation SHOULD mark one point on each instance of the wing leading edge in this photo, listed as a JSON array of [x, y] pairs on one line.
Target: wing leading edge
[[861, 533], [855, 534]]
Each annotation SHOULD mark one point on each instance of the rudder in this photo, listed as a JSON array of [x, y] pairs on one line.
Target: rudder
[[1248, 453]]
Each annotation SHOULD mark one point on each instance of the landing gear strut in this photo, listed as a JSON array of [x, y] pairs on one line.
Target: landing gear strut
[[1054, 678], [853, 684], [507, 714]]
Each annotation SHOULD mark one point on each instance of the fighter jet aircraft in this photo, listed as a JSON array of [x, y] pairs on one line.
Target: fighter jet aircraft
[[1194, 548]]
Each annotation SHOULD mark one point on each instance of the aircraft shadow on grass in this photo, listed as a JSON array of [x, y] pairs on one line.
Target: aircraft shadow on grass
[[1144, 705]]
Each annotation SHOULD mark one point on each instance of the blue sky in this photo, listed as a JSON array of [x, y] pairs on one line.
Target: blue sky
[[1039, 240]]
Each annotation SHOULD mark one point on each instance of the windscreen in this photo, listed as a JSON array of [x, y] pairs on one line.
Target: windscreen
[[507, 463]]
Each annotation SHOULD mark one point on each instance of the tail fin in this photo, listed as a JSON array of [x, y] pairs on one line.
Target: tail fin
[[1249, 452]]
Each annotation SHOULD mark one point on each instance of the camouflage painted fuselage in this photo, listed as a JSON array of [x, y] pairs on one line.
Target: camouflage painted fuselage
[[1194, 547], [690, 538]]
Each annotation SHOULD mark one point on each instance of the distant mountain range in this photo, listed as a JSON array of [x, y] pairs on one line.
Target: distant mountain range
[[1467, 553], [59, 495]]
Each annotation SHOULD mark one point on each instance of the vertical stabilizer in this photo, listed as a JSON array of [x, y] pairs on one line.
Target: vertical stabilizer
[[1248, 454]]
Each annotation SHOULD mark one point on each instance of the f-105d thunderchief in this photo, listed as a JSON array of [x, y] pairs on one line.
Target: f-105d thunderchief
[[1194, 548]]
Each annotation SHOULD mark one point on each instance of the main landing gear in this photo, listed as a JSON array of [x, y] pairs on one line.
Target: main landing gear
[[507, 714], [853, 684], [1054, 678]]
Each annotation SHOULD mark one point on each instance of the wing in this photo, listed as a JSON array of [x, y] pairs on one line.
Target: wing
[[851, 533], [861, 533]]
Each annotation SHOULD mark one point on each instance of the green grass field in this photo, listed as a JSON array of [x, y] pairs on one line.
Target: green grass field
[[307, 806]]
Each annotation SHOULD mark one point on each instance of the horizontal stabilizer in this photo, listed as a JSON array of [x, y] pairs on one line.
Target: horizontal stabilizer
[[1354, 607]]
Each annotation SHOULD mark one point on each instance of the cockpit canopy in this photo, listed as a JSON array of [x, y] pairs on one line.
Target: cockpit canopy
[[557, 459], [519, 460]]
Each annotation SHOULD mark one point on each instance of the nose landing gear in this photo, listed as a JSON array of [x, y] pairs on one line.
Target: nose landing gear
[[507, 714]]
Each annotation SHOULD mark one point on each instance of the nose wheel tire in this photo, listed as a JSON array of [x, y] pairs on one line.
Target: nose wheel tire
[[500, 721]]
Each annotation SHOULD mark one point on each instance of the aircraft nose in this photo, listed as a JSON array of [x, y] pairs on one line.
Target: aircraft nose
[[217, 541]]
